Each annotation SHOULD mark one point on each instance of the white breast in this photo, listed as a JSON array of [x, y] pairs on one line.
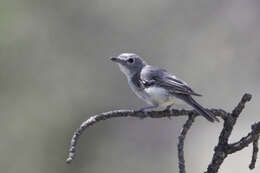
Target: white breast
[[159, 96], [139, 92], [153, 95]]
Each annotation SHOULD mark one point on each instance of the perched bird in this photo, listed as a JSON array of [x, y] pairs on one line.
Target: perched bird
[[156, 86]]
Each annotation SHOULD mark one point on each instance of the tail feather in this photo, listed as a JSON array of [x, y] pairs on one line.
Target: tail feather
[[208, 115]]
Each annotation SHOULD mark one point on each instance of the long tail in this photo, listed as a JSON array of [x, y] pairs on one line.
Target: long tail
[[208, 115]]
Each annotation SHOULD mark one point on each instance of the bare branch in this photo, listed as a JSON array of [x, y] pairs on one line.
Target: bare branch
[[221, 149], [255, 152], [245, 141], [182, 136], [131, 113], [255, 130]]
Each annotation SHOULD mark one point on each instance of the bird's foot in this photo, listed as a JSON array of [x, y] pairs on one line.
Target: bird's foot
[[168, 108], [145, 110]]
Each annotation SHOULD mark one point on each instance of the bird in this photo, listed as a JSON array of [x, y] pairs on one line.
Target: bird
[[156, 86]]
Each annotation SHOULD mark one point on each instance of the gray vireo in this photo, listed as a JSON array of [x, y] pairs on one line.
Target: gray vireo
[[156, 86]]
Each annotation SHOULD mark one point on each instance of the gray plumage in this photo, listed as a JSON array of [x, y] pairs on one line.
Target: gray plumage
[[156, 86]]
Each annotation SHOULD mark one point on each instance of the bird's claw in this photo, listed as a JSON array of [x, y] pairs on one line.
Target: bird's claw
[[144, 111], [168, 108]]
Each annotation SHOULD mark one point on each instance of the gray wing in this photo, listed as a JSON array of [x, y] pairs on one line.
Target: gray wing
[[160, 77]]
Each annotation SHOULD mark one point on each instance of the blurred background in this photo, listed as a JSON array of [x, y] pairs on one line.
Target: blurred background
[[55, 73]]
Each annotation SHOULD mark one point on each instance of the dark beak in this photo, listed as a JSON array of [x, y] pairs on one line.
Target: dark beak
[[113, 58], [116, 59]]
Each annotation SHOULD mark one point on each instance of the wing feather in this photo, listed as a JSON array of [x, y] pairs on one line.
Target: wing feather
[[160, 77]]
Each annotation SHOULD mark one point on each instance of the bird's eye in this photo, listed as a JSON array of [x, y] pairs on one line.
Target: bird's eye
[[130, 60]]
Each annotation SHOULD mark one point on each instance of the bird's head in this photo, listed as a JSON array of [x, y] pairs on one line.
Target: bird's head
[[129, 63]]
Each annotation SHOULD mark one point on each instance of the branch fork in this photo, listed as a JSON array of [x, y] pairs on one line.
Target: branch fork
[[222, 149]]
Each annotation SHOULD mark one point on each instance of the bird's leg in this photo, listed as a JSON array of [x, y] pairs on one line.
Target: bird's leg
[[168, 109], [146, 109]]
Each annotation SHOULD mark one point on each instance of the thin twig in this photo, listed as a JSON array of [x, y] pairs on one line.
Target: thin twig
[[255, 127], [245, 141], [254, 155], [182, 136]]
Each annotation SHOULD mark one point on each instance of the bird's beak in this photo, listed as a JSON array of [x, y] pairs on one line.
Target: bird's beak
[[116, 59]]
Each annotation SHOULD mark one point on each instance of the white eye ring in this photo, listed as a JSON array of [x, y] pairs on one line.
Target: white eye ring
[[130, 60]]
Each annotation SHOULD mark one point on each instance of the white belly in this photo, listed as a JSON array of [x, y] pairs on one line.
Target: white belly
[[159, 96], [153, 95]]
